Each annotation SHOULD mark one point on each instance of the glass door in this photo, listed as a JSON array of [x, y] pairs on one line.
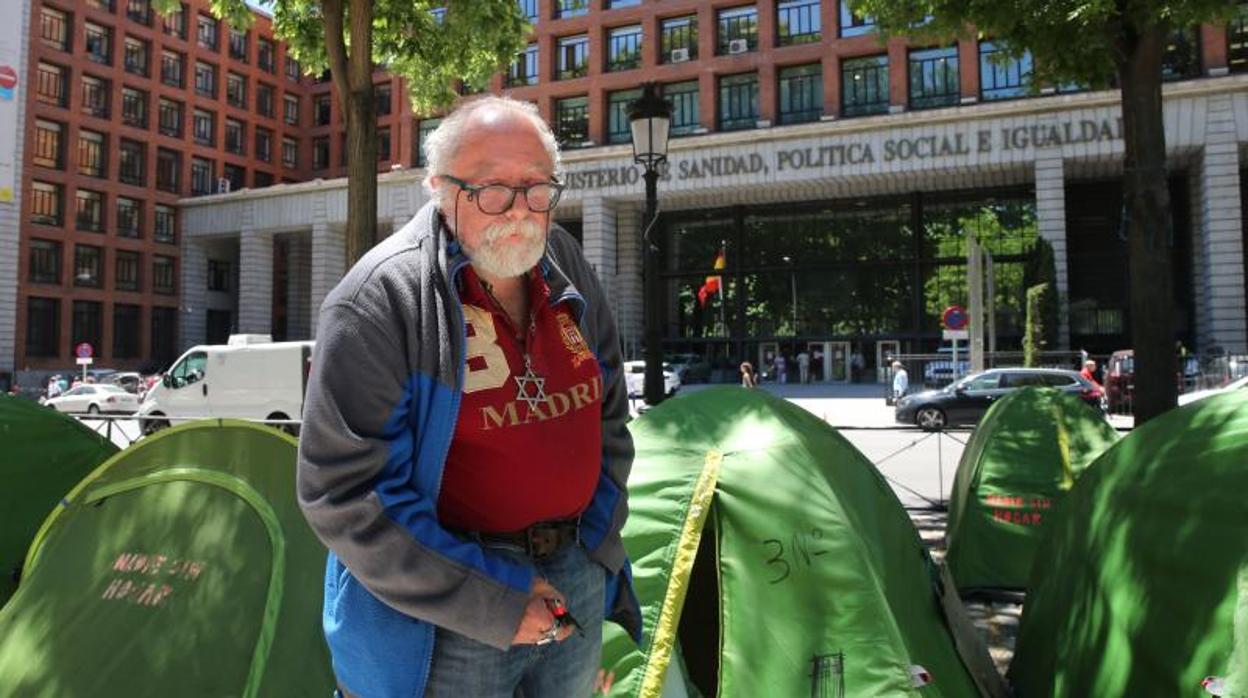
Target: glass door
[[885, 351], [838, 362]]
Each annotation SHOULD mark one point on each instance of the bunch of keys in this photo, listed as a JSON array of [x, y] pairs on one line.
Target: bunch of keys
[[563, 617]]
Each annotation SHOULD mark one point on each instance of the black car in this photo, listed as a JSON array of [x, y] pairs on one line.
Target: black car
[[965, 401]]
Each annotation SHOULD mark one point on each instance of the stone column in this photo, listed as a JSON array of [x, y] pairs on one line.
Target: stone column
[[299, 287], [599, 236], [194, 325], [329, 260], [626, 290], [1218, 246], [1051, 222], [10, 211], [255, 282]]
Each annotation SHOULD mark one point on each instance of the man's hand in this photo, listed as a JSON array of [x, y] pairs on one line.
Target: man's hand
[[538, 619]]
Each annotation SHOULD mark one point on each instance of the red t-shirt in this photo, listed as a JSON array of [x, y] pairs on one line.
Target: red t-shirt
[[514, 462]]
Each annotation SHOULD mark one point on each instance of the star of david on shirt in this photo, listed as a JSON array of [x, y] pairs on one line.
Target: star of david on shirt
[[535, 396]]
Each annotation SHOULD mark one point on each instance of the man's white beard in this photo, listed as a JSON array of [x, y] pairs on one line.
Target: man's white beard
[[508, 259]]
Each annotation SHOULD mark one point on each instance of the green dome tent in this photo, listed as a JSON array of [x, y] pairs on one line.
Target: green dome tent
[[181, 567], [1140, 586], [1021, 460], [766, 549], [45, 454]]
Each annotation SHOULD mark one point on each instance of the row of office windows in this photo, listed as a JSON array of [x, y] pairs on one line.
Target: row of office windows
[[797, 21], [46, 267], [56, 30], [320, 148], [322, 104], [43, 328], [47, 207]]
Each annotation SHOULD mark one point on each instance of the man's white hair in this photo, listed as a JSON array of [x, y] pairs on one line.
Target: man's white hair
[[445, 141]]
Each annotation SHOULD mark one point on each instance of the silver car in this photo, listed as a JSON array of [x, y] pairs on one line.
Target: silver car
[[95, 399]]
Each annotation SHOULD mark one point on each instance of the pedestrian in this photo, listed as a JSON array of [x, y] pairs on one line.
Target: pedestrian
[[856, 366], [748, 378], [54, 387], [803, 366], [1089, 372], [901, 381], [780, 366], [465, 459]]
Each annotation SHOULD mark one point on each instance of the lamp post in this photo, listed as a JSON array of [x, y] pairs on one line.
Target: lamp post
[[649, 118]]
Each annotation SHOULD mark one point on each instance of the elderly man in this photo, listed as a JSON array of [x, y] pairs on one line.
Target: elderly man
[[464, 452]]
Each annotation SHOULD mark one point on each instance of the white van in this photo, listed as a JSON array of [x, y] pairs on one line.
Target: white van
[[249, 378]]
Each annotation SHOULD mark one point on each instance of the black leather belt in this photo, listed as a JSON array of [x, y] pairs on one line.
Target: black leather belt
[[539, 541]]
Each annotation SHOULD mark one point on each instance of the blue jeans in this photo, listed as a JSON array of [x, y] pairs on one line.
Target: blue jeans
[[464, 668]]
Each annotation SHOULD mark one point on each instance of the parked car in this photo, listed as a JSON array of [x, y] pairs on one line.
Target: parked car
[[635, 378], [1240, 384], [95, 399], [1120, 378], [129, 381], [965, 401], [690, 368]]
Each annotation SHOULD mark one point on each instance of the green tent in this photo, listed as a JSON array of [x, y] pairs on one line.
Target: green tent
[[45, 454], [181, 567], [1022, 459], [772, 559], [1140, 586]]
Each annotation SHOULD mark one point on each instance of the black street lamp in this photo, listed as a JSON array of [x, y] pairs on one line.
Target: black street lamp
[[650, 118]]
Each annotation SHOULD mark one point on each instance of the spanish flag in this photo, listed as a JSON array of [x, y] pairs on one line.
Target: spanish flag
[[712, 285]]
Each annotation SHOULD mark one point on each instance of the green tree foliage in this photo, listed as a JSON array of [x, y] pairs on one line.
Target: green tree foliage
[[1095, 43], [1034, 340], [436, 45]]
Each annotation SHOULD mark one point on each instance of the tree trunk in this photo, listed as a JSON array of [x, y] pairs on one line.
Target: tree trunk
[[361, 134], [1147, 197]]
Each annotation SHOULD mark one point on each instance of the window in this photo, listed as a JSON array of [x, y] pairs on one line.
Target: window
[[264, 144], [934, 78], [170, 118], [290, 109], [571, 8], [427, 126], [165, 230], [45, 204], [264, 99], [105, 5], [1000, 76], [797, 22], [125, 270], [290, 152], [738, 102], [206, 32], [162, 274], [164, 334], [321, 110], [1181, 59], [1237, 40], [320, 153], [50, 85], [172, 70], [801, 93], [573, 57], [266, 55], [90, 211], [383, 144], [134, 107], [293, 70], [99, 43], [678, 34], [86, 323], [523, 70], [616, 4], [205, 126], [236, 90], [624, 48], [136, 56], [236, 175], [129, 218], [234, 137], [205, 79], [49, 144], [864, 86], [168, 173], [174, 23], [528, 9], [139, 11], [95, 97], [618, 130], [572, 121], [45, 262], [683, 96], [202, 176], [238, 45], [131, 165], [381, 95], [43, 326], [126, 321], [854, 24], [219, 275], [88, 262], [54, 28], [738, 30], [260, 180]]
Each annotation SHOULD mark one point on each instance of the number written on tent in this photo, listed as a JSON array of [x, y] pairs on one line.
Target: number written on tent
[[802, 550]]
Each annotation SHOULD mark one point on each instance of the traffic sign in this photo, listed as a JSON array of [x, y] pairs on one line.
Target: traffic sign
[[8, 77], [84, 351], [955, 335], [954, 318], [85, 362]]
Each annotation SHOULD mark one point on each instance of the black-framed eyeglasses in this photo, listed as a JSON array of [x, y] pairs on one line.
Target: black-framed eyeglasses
[[494, 199]]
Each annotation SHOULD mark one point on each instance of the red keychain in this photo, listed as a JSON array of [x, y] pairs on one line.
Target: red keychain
[[563, 617]]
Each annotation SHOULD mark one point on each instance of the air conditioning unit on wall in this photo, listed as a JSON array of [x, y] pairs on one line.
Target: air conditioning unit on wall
[[680, 55], [223, 185], [738, 46]]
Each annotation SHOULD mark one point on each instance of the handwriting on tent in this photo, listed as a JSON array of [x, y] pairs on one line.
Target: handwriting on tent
[[149, 578]]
